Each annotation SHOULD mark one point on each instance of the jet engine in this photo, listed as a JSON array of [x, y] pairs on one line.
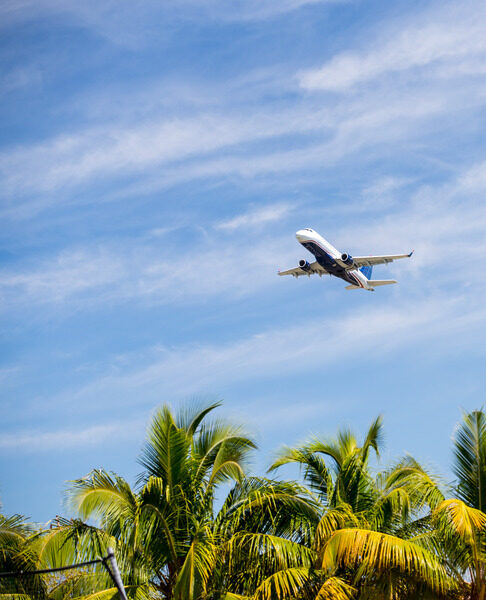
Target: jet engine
[[304, 265], [347, 259]]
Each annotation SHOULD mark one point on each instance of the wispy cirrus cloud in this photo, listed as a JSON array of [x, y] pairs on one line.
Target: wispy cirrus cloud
[[257, 216], [165, 153], [121, 149], [136, 154], [381, 330], [114, 20], [142, 272], [71, 273], [445, 38], [445, 223], [32, 441]]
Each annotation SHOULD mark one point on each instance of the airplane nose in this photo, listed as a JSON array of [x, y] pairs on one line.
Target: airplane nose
[[301, 235]]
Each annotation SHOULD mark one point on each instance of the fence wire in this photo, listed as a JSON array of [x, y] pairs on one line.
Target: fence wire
[[98, 579]]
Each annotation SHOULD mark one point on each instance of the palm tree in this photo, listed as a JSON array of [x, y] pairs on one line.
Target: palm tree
[[368, 525], [17, 555], [266, 531], [456, 517], [462, 520], [351, 533], [170, 540], [164, 530]]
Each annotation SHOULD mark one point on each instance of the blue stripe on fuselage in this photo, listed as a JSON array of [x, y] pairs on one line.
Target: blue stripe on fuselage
[[327, 262]]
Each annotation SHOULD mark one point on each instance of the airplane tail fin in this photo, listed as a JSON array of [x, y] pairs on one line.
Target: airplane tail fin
[[367, 271]]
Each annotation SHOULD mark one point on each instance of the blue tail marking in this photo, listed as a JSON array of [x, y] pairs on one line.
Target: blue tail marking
[[366, 271]]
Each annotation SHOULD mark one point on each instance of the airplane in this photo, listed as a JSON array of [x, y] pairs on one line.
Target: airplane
[[355, 270]]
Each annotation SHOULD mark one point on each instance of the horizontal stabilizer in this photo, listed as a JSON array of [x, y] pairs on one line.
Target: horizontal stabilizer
[[378, 282], [353, 287]]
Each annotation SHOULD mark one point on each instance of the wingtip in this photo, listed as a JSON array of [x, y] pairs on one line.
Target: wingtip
[[411, 253]]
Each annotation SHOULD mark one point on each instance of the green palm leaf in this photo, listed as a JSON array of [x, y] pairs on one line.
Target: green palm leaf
[[373, 553], [335, 588], [470, 459], [283, 584]]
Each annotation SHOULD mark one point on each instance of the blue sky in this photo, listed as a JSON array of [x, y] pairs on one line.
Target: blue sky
[[155, 164]]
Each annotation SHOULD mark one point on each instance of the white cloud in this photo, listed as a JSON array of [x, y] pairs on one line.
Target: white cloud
[[473, 180], [434, 38], [302, 347], [37, 441], [72, 159], [444, 225], [256, 217], [118, 22], [145, 272], [59, 278], [253, 10], [165, 153]]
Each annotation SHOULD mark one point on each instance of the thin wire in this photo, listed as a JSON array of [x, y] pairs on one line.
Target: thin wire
[[23, 573]]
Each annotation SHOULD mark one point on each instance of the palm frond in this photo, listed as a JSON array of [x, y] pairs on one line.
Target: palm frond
[[374, 438], [423, 488], [219, 443], [198, 565], [263, 505], [104, 495], [334, 588], [283, 584], [464, 521], [373, 554], [190, 416], [313, 466], [166, 450], [470, 459], [334, 518], [277, 552]]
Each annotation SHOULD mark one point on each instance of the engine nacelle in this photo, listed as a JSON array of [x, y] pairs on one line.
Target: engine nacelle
[[347, 259], [304, 265]]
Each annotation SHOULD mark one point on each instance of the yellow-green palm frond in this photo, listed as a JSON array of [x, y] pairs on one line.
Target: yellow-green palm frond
[[190, 416], [424, 488], [16, 551], [166, 450], [469, 464], [104, 495], [109, 594], [278, 507], [312, 465], [334, 588], [375, 554], [81, 583], [390, 510], [220, 451], [70, 541], [199, 563], [273, 552], [374, 438], [340, 517], [462, 520], [285, 584], [15, 527]]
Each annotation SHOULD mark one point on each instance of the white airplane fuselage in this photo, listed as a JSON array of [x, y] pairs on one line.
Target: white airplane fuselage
[[330, 258]]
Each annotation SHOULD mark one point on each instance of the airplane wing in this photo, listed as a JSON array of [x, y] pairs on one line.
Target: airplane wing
[[314, 267], [362, 261]]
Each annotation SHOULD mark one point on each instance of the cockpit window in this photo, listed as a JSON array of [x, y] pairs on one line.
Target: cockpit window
[[307, 229]]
